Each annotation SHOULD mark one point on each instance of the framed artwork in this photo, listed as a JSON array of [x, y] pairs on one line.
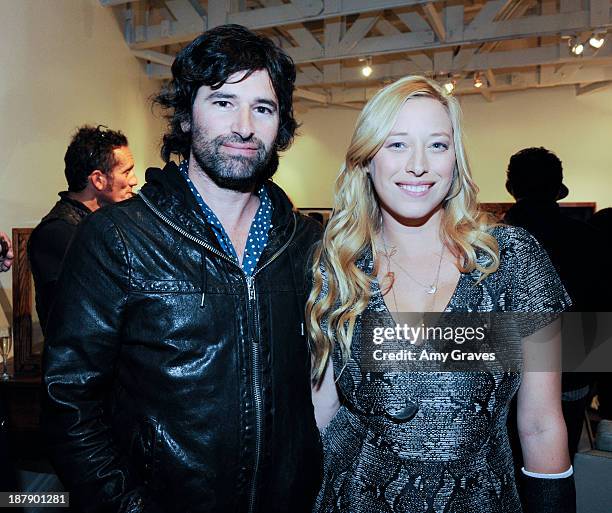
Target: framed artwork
[[318, 214], [27, 337]]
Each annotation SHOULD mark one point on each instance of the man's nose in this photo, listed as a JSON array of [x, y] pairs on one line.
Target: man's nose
[[243, 123], [133, 181]]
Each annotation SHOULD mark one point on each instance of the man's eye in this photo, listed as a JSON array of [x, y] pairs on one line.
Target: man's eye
[[222, 103], [263, 110]]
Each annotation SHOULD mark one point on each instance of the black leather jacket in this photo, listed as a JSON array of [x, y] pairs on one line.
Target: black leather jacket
[[47, 246], [173, 381]]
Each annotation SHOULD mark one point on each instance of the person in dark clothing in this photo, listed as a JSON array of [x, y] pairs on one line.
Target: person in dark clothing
[[99, 171], [535, 179], [602, 221], [176, 368]]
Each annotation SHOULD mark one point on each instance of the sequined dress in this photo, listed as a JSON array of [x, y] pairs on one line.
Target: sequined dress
[[453, 454]]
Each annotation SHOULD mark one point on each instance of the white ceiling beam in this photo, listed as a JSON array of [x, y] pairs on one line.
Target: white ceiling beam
[[569, 5], [310, 95], [311, 73], [444, 62], [530, 26], [599, 13], [482, 29], [111, 3], [507, 83], [515, 9], [513, 82], [304, 38], [453, 20], [423, 63], [386, 28], [156, 57], [318, 9], [491, 78], [435, 21], [332, 33], [486, 93], [332, 73], [218, 13], [592, 88], [186, 25], [414, 21], [297, 11], [360, 27]]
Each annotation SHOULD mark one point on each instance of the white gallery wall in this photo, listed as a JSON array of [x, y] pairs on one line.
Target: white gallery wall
[[63, 63]]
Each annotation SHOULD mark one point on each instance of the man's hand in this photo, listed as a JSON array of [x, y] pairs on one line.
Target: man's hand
[[6, 252]]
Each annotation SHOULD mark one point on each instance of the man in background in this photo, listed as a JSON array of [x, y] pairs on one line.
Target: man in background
[[535, 179], [99, 171]]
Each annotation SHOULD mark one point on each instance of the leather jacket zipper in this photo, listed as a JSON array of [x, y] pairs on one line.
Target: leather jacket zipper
[[255, 347], [256, 376]]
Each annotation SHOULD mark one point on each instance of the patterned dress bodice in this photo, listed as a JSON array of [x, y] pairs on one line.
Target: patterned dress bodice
[[435, 441]]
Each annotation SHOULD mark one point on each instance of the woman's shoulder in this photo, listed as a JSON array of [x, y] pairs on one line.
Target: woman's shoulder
[[514, 240]]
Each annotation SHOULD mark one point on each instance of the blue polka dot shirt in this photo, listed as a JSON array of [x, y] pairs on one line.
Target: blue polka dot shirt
[[258, 233]]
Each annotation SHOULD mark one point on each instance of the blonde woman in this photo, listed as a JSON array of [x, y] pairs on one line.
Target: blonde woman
[[406, 236]]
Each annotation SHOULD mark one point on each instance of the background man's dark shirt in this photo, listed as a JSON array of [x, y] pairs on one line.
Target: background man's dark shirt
[[48, 245], [572, 245]]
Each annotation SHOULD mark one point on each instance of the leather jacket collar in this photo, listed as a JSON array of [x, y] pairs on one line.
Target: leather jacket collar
[[167, 191]]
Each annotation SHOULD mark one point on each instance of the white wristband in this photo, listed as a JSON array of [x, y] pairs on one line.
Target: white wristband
[[561, 475]]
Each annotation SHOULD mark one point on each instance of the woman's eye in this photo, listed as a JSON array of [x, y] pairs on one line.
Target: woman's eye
[[396, 145], [440, 146]]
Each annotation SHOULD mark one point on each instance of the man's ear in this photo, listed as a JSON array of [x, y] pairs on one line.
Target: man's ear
[[98, 180], [509, 188]]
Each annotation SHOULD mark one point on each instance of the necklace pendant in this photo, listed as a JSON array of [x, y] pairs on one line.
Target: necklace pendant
[[432, 289]]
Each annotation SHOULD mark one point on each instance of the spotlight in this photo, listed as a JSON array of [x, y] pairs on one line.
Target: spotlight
[[575, 46], [478, 82], [597, 40], [449, 86], [366, 71]]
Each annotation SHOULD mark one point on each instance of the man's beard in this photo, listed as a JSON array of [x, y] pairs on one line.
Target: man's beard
[[235, 172]]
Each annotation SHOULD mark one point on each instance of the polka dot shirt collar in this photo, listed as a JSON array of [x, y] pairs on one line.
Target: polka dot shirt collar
[[258, 233]]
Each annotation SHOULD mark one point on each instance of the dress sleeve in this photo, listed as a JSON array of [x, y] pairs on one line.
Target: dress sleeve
[[536, 291]]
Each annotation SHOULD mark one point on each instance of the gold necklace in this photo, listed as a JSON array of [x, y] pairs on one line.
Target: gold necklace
[[430, 289]]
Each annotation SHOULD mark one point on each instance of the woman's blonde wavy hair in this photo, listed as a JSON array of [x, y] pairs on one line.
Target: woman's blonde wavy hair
[[356, 219]]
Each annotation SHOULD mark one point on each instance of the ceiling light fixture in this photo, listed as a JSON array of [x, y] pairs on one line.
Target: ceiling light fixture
[[478, 81], [367, 70], [575, 46], [597, 40]]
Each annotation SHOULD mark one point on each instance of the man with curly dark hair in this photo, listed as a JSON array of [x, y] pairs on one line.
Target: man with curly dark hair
[[99, 170], [177, 369]]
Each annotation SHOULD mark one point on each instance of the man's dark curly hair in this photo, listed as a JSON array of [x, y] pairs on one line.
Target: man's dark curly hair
[[535, 173], [91, 148], [210, 60]]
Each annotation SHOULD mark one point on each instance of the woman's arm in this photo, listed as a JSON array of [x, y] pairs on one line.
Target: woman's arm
[[547, 484], [541, 426], [325, 397]]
